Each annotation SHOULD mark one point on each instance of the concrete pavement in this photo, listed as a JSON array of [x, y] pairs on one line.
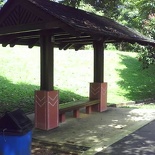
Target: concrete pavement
[[140, 142], [96, 131]]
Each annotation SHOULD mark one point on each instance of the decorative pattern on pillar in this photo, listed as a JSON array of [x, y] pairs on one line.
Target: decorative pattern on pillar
[[46, 109], [46, 99], [99, 91]]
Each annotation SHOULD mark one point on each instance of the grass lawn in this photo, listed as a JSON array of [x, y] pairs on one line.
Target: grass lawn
[[20, 76]]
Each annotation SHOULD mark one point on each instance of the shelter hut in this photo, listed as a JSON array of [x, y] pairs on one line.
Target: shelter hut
[[49, 24]]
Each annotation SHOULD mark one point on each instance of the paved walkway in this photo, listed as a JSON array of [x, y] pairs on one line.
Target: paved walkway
[[140, 142], [97, 131]]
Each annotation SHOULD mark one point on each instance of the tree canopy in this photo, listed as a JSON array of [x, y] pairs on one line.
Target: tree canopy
[[2, 2]]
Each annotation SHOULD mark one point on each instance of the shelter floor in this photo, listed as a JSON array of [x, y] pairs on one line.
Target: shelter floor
[[92, 133]]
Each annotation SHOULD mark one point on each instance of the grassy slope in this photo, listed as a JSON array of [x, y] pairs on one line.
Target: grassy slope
[[20, 76]]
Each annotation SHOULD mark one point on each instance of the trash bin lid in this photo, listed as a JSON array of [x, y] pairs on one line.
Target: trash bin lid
[[15, 123]]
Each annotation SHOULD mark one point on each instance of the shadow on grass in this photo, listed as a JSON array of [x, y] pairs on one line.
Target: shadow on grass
[[21, 95], [137, 84]]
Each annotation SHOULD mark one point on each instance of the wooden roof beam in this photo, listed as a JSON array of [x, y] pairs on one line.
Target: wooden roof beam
[[70, 30], [82, 42], [33, 42], [14, 42], [6, 40], [78, 46], [27, 28], [19, 35], [67, 46], [62, 46], [73, 39], [64, 36], [5, 44]]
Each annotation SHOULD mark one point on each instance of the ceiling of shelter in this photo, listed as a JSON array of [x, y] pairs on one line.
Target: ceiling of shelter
[[22, 23]]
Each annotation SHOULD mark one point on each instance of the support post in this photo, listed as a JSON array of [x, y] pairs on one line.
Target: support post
[[98, 89], [46, 99], [47, 62], [46, 109], [98, 61]]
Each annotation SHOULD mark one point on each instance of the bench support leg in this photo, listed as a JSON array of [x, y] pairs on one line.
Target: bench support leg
[[88, 110], [99, 91], [62, 118], [76, 113], [46, 109]]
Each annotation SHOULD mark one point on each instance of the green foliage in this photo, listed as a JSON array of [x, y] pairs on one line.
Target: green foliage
[[136, 14], [109, 8], [20, 76], [146, 55], [110, 47], [147, 12], [139, 15], [73, 3], [106, 7], [82, 5], [2, 3], [89, 8], [129, 14]]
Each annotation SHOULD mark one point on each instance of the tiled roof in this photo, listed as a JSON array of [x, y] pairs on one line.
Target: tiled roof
[[70, 27], [89, 22]]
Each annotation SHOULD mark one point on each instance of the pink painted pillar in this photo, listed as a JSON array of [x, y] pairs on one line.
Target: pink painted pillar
[[99, 91], [46, 109]]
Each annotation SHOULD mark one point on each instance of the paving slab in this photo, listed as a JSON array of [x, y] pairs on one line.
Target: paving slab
[[97, 131], [140, 142]]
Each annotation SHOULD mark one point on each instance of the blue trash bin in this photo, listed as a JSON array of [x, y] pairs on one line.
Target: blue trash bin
[[15, 133]]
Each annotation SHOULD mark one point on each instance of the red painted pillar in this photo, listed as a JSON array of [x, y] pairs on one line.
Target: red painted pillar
[[46, 109], [46, 99], [99, 91]]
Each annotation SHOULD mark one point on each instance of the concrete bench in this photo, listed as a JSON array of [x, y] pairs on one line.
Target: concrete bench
[[75, 106]]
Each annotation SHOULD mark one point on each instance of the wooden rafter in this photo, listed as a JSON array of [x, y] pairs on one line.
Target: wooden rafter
[[62, 46], [14, 42], [25, 19], [33, 42], [67, 46], [78, 46], [19, 16], [73, 39]]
